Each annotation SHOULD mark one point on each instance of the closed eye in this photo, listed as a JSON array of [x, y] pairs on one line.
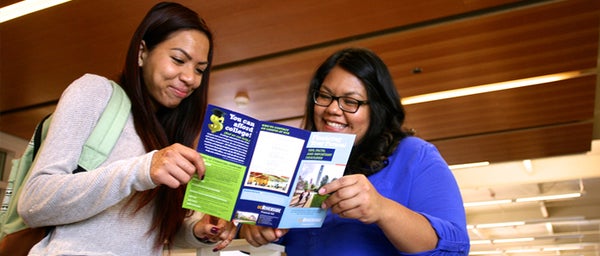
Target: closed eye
[[350, 101], [324, 96], [177, 60]]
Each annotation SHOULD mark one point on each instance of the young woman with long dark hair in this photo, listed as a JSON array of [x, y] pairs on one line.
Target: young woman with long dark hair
[[131, 204]]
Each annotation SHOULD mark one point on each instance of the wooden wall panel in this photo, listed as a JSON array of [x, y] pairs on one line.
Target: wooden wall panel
[[7, 2], [276, 86], [249, 29], [493, 48], [271, 48], [518, 145], [452, 55], [23, 123], [44, 51], [521, 108]]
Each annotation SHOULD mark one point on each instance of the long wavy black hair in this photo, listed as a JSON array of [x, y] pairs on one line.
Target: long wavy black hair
[[165, 126], [369, 155]]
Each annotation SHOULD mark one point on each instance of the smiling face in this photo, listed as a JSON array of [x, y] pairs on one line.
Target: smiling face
[[340, 82], [174, 68]]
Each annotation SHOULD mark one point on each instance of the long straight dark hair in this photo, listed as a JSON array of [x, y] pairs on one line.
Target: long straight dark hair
[[386, 111], [165, 126]]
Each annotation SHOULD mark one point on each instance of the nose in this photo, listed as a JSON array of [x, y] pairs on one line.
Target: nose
[[189, 76], [334, 106]]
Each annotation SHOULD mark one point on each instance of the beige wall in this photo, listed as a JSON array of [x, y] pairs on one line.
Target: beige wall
[[13, 146]]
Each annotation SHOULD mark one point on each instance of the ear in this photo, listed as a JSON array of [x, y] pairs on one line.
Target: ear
[[142, 53]]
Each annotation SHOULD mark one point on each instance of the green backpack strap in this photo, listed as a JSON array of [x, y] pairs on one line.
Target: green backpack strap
[[108, 130]]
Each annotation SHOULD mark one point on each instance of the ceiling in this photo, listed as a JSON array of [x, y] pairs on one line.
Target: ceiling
[[269, 49]]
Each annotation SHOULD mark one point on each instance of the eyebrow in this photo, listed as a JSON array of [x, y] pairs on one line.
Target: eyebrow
[[328, 90], [187, 55]]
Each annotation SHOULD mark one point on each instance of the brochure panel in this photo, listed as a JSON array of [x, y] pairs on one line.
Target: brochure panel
[[265, 173]]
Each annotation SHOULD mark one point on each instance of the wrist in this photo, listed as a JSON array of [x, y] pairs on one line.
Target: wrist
[[203, 239]]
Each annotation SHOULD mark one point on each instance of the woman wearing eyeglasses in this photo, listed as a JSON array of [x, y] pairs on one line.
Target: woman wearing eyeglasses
[[398, 196]]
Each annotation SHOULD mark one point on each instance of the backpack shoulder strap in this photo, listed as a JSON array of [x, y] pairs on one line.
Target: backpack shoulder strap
[[40, 133], [108, 130]]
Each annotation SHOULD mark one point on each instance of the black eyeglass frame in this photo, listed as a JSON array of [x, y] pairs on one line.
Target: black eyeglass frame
[[337, 98]]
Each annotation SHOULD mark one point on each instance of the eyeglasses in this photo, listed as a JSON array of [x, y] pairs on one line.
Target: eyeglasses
[[346, 104]]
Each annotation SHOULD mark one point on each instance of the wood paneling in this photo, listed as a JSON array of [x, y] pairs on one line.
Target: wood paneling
[[271, 48], [7, 2], [22, 124], [518, 145], [43, 52], [249, 29], [547, 104]]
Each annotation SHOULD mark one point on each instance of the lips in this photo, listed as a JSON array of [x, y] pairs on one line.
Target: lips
[[336, 125], [180, 93]]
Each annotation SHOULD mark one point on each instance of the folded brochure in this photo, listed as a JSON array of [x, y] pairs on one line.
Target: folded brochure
[[264, 173]]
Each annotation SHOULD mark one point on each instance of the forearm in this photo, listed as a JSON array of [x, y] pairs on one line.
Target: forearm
[[46, 196]]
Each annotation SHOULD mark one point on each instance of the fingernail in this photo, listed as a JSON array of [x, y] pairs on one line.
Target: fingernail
[[214, 230], [215, 250]]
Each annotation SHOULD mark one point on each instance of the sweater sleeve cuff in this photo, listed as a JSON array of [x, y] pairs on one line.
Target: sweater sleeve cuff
[[143, 173], [185, 237]]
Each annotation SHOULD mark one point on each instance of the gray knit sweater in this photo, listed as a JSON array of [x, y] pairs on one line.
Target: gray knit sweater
[[88, 207]]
